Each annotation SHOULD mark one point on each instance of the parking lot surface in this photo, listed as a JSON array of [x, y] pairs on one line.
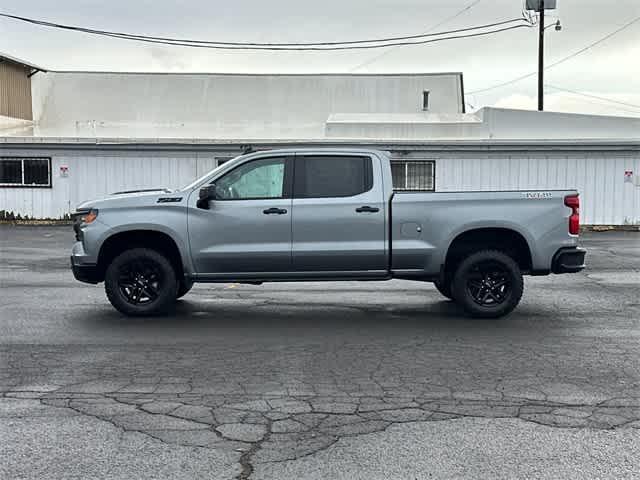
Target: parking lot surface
[[322, 380]]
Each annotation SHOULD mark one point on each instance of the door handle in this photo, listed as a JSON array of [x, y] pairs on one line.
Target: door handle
[[274, 211], [367, 209]]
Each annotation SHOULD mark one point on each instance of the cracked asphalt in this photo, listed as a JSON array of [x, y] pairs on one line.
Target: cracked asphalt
[[321, 381]]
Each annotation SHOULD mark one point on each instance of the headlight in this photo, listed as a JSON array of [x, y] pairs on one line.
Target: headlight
[[91, 216], [85, 216]]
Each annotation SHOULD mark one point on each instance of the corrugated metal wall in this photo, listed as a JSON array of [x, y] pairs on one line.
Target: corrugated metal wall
[[606, 199], [95, 174], [599, 176], [15, 90]]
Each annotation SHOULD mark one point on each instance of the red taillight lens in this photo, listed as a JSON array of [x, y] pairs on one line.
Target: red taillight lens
[[573, 202]]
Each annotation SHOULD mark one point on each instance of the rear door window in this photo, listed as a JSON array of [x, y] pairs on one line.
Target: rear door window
[[332, 176]]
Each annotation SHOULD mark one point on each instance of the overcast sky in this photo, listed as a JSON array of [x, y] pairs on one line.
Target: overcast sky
[[612, 69]]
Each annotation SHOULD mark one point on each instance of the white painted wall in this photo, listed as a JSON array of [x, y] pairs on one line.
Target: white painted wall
[[77, 104], [599, 176], [95, 174], [486, 123]]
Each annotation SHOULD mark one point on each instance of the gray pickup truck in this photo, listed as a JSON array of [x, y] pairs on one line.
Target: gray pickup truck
[[322, 215]]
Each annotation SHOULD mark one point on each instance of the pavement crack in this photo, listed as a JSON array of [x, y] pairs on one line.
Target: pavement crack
[[247, 457]]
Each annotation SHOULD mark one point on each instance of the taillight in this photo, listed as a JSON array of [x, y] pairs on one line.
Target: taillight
[[573, 202]]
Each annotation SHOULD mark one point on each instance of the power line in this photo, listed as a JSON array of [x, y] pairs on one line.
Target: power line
[[605, 99], [320, 46], [443, 22], [456, 15], [220, 44], [611, 107], [558, 62], [330, 48]]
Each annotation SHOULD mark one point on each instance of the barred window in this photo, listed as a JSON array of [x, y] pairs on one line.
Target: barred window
[[25, 172], [413, 175]]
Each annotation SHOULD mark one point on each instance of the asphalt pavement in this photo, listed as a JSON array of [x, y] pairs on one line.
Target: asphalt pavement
[[350, 380]]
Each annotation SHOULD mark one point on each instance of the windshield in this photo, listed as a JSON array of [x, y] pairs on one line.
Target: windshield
[[209, 173]]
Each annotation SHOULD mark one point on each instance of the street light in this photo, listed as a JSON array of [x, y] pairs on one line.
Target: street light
[[557, 25], [540, 6]]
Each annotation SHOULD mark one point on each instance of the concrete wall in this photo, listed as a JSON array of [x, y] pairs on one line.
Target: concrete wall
[[80, 104], [98, 170]]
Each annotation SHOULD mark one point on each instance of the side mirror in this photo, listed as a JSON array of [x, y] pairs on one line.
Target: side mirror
[[208, 192]]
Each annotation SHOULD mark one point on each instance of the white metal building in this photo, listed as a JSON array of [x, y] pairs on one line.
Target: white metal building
[[94, 133]]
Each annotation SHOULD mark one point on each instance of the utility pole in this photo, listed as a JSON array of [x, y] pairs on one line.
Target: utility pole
[[541, 6], [541, 60]]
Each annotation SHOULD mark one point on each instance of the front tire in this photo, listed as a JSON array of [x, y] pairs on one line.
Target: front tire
[[488, 284], [141, 282]]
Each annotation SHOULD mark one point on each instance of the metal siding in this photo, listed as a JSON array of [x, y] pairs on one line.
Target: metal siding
[[95, 174], [15, 91], [605, 198], [598, 176]]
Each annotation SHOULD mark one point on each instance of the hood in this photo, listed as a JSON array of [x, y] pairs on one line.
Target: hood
[[129, 198]]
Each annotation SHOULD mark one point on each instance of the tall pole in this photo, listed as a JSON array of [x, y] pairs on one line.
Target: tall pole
[[541, 60]]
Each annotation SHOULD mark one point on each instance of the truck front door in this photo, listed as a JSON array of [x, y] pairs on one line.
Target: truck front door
[[247, 227], [339, 215]]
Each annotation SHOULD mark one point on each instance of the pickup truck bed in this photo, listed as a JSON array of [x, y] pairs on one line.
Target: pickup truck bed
[[441, 218]]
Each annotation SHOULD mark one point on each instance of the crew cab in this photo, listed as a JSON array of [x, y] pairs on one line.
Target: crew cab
[[322, 215]]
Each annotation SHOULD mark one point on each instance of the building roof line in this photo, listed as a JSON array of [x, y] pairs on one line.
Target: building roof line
[[426, 143], [267, 74], [13, 59]]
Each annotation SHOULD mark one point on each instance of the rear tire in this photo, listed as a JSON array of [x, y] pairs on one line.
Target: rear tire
[[141, 282], [444, 289], [184, 286], [488, 284]]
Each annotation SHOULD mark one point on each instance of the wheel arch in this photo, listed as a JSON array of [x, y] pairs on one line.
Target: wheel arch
[[153, 239], [507, 239]]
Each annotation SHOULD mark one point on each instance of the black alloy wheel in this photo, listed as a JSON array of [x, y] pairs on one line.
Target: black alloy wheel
[[141, 282], [488, 284]]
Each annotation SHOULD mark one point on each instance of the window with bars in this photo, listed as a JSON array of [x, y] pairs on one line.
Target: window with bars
[[412, 176], [25, 172]]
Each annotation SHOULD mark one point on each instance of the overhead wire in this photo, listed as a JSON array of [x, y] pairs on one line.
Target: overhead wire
[[560, 61], [596, 97], [308, 46], [439, 24], [330, 48]]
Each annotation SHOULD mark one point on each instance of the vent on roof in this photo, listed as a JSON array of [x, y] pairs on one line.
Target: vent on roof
[[425, 100]]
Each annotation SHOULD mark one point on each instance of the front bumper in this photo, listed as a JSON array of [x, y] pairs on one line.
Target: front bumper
[[569, 260], [83, 266], [86, 273]]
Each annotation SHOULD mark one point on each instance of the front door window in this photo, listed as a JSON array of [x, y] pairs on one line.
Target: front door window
[[261, 179]]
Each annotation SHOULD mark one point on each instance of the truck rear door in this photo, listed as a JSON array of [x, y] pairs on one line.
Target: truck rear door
[[339, 215]]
